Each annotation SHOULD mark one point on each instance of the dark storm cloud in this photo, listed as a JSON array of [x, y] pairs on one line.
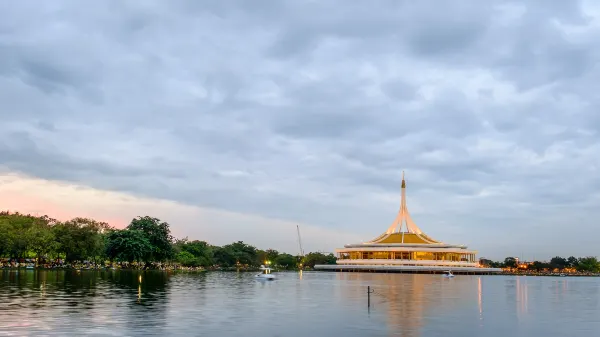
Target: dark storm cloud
[[309, 111]]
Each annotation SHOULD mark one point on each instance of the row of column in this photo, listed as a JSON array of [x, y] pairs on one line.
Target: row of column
[[435, 256]]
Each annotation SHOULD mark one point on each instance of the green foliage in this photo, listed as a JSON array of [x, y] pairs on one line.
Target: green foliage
[[558, 262], [584, 264], [6, 237], [242, 253], [194, 253], [271, 255], [318, 258], [15, 226], [224, 256], [25, 235], [261, 257], [539, 266], [491, 264], [510, 262], [41, 239], [158, 234], [573, 262], [128, 245], [80, 239], [187, 259], [588, 264], [146, 239], [286, 261]]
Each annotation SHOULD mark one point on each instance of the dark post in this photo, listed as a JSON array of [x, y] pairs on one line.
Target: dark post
[[369, 296]]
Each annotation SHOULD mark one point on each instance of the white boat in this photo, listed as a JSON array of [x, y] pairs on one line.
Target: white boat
[[265, 274], [448, 274]]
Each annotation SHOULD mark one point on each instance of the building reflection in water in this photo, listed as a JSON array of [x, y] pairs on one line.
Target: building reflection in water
[[522, 298], [406, 301], [480, 298]]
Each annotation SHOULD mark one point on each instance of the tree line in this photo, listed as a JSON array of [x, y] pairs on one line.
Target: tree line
[[146, 240], [588, 264]]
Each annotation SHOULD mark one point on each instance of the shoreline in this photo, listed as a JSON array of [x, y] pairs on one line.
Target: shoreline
[[550, 274], [184, 270], [250, 270]]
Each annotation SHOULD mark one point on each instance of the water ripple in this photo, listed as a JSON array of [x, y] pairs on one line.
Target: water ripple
[[133, 303]]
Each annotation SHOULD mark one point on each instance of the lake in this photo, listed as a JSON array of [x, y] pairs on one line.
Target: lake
[[132, 303]]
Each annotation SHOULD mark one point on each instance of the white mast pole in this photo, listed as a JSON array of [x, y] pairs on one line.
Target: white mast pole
[[300, 241]]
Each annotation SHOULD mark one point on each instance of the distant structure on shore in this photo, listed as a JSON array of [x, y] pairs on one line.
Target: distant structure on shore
[[405, 248]]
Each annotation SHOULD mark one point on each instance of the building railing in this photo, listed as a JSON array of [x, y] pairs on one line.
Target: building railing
[[404, 256], [406, 262]]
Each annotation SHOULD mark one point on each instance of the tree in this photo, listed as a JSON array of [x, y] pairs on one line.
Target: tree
[[318, 258], [271, 254], [260, 258], [6, 237], [17, 226], [510, 262], [128, 245], [243, 254], [158, 235], [201, 252], [41, 240], [224, 256], [187, 259], [21, 235], [286, 261], [558, 262], [537, 266], [80, 239], [588, 264], [572, 262]]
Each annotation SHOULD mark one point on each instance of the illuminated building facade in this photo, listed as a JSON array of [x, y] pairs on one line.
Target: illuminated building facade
[[404, 247]]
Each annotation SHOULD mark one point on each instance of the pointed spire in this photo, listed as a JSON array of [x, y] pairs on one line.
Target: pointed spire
[[403, 182], [403, 219]]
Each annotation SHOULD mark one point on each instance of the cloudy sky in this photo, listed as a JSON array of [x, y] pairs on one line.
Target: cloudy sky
[[237, 120]]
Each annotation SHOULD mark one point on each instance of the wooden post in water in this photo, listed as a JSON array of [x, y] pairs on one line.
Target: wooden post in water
[[369, 296]]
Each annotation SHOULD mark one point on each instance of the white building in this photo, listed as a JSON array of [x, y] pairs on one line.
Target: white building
[[404, 247]]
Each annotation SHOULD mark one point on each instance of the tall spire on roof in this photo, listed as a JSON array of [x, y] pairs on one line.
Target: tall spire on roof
[[403, 182], [403, 218]]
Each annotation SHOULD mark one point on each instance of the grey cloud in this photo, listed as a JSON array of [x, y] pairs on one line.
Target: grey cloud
[[399, 89], [320, 104], [20, 151]]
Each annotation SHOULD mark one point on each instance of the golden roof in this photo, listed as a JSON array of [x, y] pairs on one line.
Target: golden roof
[[409, 238], [395, 233]]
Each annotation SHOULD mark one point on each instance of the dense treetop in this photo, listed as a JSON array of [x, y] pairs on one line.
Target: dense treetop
[[144, 240]]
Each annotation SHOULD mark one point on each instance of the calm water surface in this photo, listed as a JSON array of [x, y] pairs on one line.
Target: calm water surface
[[120, 303]]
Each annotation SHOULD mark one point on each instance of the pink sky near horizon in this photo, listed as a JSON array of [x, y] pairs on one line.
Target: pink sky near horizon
[[18, 194], [65, 201], [16, 201]]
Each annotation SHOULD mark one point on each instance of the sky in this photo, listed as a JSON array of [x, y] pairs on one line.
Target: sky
[[237, 120]]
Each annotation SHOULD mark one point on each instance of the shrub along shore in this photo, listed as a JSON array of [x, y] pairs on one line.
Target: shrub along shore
[[28, 241], [557, 266], [547, 273]]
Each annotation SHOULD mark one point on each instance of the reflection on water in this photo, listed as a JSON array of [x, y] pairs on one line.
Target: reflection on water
[[120, 303], [522, 296], [480, 298]]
